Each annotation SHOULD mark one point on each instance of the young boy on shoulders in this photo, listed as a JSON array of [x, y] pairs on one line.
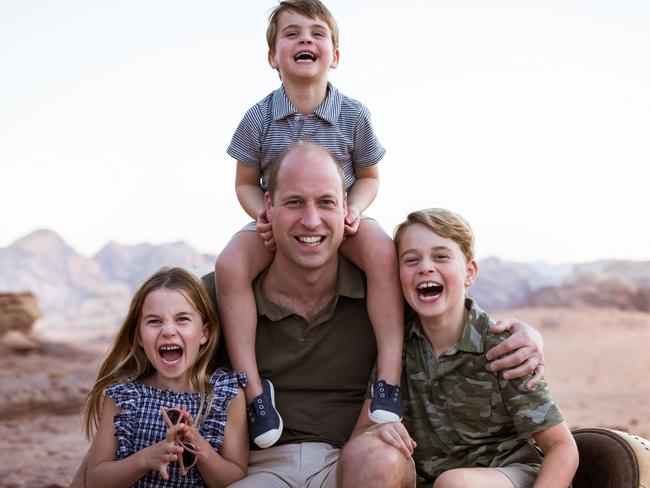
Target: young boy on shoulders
[[472, 428], [303, 46]]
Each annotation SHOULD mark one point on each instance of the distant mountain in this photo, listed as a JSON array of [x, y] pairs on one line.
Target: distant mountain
[[501, 284], [624, 285], [133, 264], [87, 292]]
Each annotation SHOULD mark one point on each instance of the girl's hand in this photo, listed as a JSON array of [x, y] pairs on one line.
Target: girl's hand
[[166, 451], [352, 221], [263, 227]]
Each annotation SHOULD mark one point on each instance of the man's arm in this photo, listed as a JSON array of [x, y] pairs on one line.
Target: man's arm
[[523, 352]]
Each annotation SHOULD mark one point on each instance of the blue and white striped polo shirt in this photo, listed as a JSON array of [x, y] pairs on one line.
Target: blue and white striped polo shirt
[[341, 124]]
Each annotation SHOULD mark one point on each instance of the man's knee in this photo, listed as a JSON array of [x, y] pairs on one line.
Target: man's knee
[[387, 466]]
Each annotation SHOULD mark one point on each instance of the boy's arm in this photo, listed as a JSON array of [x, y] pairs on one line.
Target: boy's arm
[[560, 456], [392, 433], [362, 194], [248, 189]]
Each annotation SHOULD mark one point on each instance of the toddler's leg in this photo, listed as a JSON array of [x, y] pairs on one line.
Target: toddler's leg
[[237, 266], [478, 478], [374, 252]]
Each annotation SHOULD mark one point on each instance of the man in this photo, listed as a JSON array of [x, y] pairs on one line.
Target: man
[[315, 342]]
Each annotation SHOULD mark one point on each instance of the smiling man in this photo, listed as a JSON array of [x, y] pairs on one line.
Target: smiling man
[[314, 342]]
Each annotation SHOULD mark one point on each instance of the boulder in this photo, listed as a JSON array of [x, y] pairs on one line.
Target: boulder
[[18, 312]]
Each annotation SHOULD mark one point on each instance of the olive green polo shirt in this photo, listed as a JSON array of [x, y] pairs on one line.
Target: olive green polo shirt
[[460, 414], [319, 368]]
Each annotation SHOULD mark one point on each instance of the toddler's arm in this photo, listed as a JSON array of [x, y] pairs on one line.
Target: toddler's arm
[[560, 456], [362, 194], [251, 198], [248, 189], [104, 471], [220, 469]]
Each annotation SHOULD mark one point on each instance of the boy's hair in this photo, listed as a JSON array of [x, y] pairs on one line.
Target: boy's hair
[[313, 9], [446, 224], [304, 147], [126, 360]]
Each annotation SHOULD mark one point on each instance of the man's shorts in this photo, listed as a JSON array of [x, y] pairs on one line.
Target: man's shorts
[[306, 464]]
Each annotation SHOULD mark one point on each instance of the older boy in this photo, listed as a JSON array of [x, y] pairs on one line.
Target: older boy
[[303, 46], [472, 427]]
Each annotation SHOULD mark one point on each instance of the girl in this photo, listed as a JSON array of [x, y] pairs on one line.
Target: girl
[[160, 418]]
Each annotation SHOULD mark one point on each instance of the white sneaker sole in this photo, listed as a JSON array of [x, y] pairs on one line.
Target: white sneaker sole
[[383, 416]]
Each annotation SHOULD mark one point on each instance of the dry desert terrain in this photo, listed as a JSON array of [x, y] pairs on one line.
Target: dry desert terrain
[[597, 365]]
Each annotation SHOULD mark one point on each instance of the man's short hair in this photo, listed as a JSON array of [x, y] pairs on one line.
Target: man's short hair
[[314, 9], [446, 224], [304, 147]]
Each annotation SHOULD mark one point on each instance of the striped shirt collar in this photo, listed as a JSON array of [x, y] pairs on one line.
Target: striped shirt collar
[[328, 110]]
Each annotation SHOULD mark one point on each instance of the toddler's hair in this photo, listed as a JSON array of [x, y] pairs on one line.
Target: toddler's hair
[[314, 9], [446, 224], [126, 360]]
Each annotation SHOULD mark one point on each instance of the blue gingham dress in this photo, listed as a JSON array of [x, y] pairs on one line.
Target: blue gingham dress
[[139, 423]]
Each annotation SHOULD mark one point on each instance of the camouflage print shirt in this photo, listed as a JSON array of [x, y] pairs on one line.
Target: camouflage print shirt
[[460, 414]]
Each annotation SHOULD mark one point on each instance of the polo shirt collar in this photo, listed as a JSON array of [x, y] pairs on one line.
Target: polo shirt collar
[[349, 283], [472, 338], [328, 110]]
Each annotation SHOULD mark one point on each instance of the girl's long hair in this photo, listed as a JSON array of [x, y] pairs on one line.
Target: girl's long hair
[[126, 360]]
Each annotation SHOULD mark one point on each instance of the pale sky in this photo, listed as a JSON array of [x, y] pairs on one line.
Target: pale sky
[[531, 119]]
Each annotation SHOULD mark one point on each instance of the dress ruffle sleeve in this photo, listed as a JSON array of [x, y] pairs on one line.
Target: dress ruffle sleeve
[[226, 385], [126, 397]]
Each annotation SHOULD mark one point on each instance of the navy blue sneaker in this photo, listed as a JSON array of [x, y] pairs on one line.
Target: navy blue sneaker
[[264, 421], [386, 405]]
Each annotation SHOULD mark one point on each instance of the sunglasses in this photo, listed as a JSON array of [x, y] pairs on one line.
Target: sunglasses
[[173, 416]]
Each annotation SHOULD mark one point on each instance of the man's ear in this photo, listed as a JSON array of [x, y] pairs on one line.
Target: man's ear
[[471, 272], [345, 203], [268, 205]]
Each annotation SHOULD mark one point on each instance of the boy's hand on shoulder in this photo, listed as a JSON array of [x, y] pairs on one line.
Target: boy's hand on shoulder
[[352, 221], [265, 231], [523, 352]]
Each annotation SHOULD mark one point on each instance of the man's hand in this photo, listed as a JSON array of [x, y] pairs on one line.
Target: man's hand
[[394, 434], [523, 352], [265, 231], [352, 221]]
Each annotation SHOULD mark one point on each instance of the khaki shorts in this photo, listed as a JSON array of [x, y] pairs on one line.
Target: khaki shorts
[[522, 466], [306, 464]]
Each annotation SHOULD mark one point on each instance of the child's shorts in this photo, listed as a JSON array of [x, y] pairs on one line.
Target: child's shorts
[[522, 466]]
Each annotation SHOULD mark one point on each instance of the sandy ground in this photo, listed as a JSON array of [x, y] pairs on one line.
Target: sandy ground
[[597, 365]]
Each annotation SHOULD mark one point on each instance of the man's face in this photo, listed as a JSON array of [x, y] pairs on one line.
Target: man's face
[[308, 209]]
